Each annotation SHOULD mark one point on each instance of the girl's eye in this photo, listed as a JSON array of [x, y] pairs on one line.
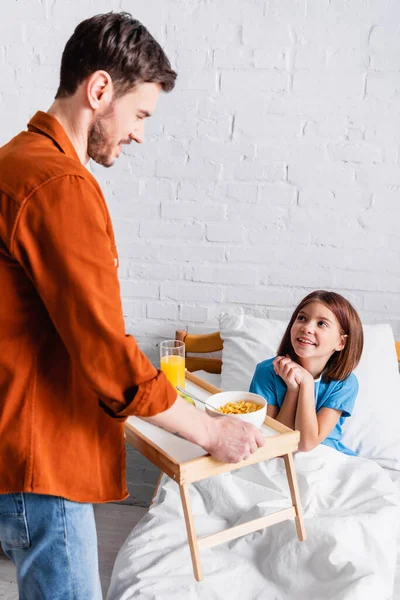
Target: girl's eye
[[301, 318], [322, 323]]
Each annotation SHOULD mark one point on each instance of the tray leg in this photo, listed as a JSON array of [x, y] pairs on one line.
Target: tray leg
[[294, 492], [156, 488], [191, 532]]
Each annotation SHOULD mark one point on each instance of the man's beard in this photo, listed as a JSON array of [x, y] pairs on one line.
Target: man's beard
[[99, 147]]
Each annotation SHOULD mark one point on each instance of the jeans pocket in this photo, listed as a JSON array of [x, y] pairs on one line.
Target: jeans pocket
[[14, 532]]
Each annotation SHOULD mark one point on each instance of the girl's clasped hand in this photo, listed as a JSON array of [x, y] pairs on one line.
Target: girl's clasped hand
[[291, 372]]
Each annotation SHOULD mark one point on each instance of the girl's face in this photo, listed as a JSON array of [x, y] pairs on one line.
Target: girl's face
[[316, 332]]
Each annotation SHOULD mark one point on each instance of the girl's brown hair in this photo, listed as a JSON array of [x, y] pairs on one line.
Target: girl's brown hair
[[342, 362]]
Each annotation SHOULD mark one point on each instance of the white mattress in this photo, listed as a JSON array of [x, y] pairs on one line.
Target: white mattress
[[215, 379]]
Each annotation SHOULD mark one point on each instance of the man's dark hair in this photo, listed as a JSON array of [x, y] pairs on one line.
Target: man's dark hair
[[118, 44]]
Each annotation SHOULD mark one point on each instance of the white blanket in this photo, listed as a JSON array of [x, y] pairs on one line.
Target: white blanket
[[395, 476], [352, 515]]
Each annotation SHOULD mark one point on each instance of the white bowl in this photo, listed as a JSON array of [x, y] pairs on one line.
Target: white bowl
[[256, 418]]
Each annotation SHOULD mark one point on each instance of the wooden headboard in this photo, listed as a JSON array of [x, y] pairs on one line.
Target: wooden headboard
[[207, 343]]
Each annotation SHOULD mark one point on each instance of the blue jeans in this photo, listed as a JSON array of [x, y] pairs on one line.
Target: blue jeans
[[53, 543]]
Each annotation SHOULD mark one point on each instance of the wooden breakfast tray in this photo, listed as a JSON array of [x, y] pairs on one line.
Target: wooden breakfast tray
[[186, 462]]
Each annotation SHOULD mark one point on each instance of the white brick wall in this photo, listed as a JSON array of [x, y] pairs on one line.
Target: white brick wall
[[271, 170]]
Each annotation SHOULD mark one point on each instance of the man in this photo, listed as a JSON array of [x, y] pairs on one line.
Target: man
[[69, 376]]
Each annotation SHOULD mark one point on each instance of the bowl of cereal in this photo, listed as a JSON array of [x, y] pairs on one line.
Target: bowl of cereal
[[244, 406]]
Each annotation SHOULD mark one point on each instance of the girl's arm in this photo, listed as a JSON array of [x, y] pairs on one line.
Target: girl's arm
[[314, 427], [286, 369], [287, 412]]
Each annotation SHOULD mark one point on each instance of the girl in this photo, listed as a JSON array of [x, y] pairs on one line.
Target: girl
[[310, 386]]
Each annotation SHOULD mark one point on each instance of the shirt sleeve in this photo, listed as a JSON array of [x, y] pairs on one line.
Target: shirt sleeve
[[343, 396], [263, 383], [63, 241]]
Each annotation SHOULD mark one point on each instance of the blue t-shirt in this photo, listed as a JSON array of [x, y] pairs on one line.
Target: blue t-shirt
[[340, 395]]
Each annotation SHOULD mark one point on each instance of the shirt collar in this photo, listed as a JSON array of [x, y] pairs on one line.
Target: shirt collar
[[48, 125]]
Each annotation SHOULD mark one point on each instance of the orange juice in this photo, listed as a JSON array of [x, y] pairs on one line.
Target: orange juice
[[174, 369]]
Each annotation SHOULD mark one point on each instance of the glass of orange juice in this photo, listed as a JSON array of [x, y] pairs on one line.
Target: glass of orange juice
[[172, 361]]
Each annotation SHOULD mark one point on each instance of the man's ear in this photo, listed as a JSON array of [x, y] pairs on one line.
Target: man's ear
[[99, 90]]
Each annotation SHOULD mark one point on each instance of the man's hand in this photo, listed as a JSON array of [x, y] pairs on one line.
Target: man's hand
[[232, 440], [225, 438]]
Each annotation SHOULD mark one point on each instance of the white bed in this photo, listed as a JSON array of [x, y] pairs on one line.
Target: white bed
[[215, 379], [394, 475], [350, 511], [361, 515]]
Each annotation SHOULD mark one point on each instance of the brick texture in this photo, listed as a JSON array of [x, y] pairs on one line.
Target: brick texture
[[272, 169]]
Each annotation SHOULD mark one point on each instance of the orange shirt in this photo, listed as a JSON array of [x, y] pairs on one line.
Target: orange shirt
[[69, 375]]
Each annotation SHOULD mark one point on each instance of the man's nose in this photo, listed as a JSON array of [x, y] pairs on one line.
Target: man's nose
[[137, 137], [138, 134]]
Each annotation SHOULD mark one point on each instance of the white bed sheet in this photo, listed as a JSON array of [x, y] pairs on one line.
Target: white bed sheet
[[131, 561], [351, 509], [395, 477], [215, 379]]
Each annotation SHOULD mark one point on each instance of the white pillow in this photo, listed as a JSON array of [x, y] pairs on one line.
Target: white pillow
[[247, 341], [373, 429]]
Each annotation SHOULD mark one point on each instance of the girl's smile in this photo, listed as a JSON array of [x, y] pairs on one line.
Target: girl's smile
[[305, 341]]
